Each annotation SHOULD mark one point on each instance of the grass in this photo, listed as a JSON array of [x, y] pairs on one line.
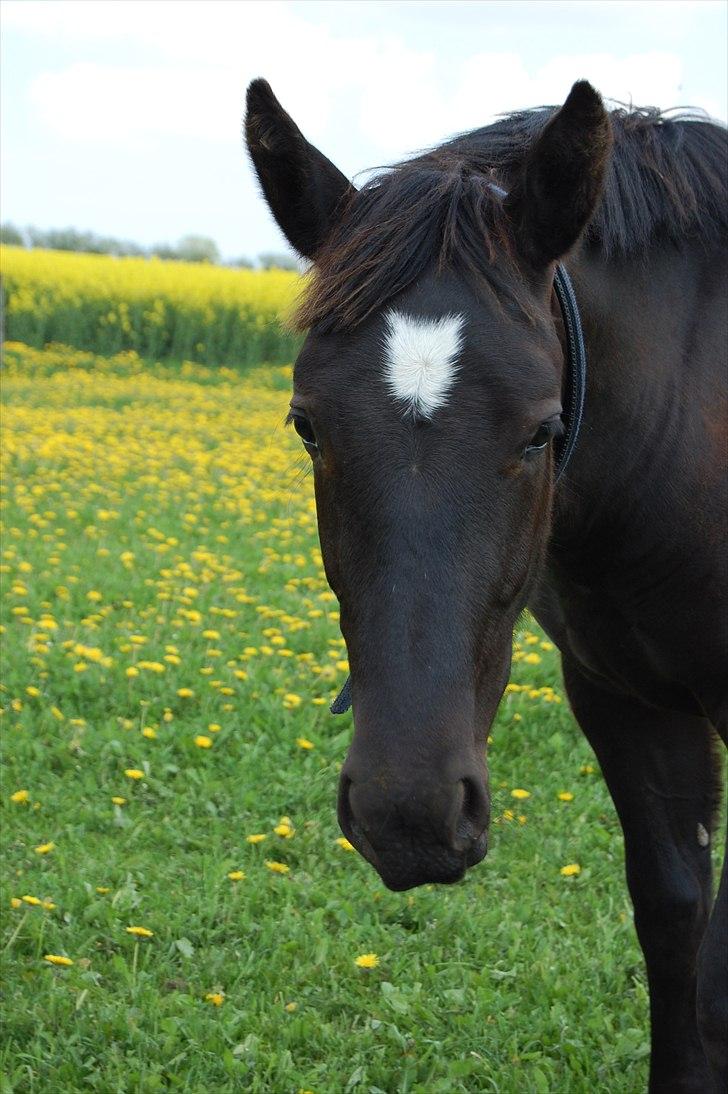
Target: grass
[[161, 585]]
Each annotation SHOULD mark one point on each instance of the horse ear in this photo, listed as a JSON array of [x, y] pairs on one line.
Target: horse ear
[[302, 187], [561, 180]]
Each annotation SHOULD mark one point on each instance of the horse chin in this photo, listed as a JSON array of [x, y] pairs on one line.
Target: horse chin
[[443, 867]]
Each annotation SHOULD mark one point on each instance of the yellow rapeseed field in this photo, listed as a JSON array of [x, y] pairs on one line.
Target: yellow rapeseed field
[[177, 310]]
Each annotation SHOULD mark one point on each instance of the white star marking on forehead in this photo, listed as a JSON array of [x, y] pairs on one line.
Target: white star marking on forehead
[[420, 359]]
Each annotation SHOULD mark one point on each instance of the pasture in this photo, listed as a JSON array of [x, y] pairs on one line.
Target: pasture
[[170, 650]]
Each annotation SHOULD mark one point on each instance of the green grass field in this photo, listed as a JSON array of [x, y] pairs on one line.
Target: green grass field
[[170, 648]]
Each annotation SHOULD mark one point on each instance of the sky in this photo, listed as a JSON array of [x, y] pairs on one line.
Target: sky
[[123, 117]]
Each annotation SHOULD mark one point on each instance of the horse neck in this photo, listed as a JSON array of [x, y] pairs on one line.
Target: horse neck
[[652, 333]]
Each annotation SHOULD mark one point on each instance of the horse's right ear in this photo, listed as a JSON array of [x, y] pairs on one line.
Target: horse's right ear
[[302, 187]]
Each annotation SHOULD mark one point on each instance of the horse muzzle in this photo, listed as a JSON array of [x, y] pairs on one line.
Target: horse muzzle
[[415, 832]]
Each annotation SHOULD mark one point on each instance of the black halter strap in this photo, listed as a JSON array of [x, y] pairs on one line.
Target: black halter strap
[[573, 402]]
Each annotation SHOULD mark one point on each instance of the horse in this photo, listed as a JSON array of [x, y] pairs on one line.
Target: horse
[[432, 392]]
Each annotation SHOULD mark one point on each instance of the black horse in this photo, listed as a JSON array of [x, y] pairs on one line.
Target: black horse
[[429, 394]]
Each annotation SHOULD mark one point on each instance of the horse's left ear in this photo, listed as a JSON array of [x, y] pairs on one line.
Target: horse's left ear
[[302, 187], [561, 180]]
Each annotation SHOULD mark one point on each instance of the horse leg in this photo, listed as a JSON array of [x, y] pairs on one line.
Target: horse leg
[[713, 985], [661, 772]]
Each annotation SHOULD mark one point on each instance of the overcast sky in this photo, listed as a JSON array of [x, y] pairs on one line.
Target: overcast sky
[[123, 116]]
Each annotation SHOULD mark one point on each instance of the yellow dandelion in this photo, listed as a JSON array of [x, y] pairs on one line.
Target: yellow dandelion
[[149, 733], [305, 744], [291, 1007], [58, 959], [236, 875], [139, 932], [34, 901], [565, 796], [217, 998], [284, 828], [203, 742], [257, 837], [45, 848], [103, 889], [33, 692], [366, 961], [573, 869], [16, 902], [185, 693], [277, 867], [344, 844], [20, 797], [520, 795], [133, 773], [118, 800]]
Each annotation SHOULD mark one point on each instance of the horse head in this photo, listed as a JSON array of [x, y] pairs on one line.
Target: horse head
[[427, 394]]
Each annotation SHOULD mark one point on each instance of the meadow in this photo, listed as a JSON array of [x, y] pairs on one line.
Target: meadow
[[180, 911]]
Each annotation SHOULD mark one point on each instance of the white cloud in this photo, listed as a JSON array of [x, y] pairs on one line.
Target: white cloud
[[133, 78]]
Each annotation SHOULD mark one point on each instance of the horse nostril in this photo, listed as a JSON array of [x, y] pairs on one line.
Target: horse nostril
[[474, 811]]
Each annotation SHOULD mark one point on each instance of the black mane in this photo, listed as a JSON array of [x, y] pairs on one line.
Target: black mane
[[666, 179]]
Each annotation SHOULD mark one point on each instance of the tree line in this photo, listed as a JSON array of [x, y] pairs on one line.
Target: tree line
[[190, 248]]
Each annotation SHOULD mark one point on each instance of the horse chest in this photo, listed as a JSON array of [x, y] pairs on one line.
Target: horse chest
[[611, 648]]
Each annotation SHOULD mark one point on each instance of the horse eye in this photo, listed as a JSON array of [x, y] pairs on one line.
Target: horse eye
[[545, 433], [305, 431]]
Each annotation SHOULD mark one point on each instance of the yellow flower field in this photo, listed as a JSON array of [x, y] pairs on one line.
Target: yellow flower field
[[179, 310], [179, 909]]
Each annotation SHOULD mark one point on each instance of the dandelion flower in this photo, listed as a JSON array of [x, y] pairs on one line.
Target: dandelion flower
[[15, 902], [118, 800], [45, 848], [520, 795], [565, 796], [185, 693], [277, 867], [284, 828], [58, 959], [291, 1007], [236, 875], [149, 733], [203, 742], [103, 889], [366, 961], [572, 870], [217, 998], [133, 773], [305, 744], [344, 844], [257, 837], [139, 932], [32, 900], [20, 797]]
